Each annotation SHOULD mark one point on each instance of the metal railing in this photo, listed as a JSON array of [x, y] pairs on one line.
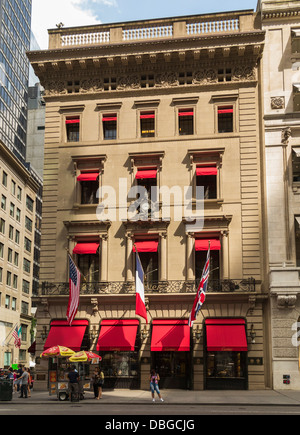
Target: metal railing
[[154, 287]]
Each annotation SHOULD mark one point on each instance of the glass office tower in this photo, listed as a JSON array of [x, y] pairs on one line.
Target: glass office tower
[[15, 30]]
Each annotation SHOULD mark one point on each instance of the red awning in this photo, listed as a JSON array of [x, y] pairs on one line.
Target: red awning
[[112, 117], [146, 173], [224, 335], [227, 109], [86, 248], [88, 176], [147, 115], [146, 246], [117, 335], [205, 170], [170, 335], [188, 112], [73, 121], [202, 244], [61, 334]]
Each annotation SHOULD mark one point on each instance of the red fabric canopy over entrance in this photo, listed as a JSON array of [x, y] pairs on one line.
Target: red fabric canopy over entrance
[[226, 335], [146, 246], [61, 334], [86, 248], [88, 176], [202, 244], [205, 170], [147, 173], [170, 335], [117, 335]]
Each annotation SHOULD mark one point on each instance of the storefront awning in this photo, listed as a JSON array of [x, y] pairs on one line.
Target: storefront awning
[[146, 173], [224, 335], [170, 335], [86, 248], [202, 244], [61, 334], [118, 335], [88, 176], [146, 246]]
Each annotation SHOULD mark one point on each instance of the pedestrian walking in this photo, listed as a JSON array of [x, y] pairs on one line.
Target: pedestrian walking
[[24, 383], [154, 379], [95, 380], [100, 384], [29, 383], [19, 373]]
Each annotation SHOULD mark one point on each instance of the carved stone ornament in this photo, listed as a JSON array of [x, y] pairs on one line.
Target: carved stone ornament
[[205, 76], [166, 79], [55, 88], [129, 82], [243, 73], [286, 301], [91, 85], [277, 103], [285, 135]]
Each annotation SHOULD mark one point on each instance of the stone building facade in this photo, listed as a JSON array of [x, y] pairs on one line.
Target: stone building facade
[[172, 103], [281, 78]]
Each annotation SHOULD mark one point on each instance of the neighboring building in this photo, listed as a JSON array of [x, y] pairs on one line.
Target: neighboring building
[[281, 87], [17, 221], [14, 69], [165, 103]]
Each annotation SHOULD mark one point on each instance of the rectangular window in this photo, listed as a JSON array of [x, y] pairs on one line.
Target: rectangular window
[[147, 121], [15, 281], [89, 266], [72, 128], [12, 209], [1, 250], [8, 278], [225, 119], [9, 255], [17, 237], [206, 176], [26, 265], [1, 277], [14, 304], [4, 179], [19, 193], [13, 187], [7, 301], [28, 224], [2, 226], [24, 307], [16, 259], [186, 121], [11, 232], [3, 202], [29, 203], [25, 287], [109, 122], [18, 215], [27, 244], [295, 41], [89, 183], [296, 97]]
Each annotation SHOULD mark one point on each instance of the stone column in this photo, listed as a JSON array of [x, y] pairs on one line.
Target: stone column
[[129, 258], [103, 267], [190, 274], [163, 257], [225, 255]]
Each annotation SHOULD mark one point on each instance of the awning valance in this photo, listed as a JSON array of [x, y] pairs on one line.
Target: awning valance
[[73, 121], [170, 335], [112, 117], [146, 246], [88, 176], [146, 173], [227, 109], [86, 248], [118, 335], [206, 170], [149, 115], [226, 335], [202, 244], [61, 334]]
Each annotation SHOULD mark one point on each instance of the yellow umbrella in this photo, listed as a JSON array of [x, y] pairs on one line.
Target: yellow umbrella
[[59, 351], [84, 356]]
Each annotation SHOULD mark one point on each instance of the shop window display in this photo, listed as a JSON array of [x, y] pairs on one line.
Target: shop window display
[[227, 369], [121, 369]]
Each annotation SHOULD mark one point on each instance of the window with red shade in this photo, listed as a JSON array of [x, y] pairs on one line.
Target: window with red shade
[[72, 128], [186, 121], [225, 119], [109, 122], [147, 124]]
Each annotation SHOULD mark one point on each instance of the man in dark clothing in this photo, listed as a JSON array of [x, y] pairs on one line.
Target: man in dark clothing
[[18, 381], [73, 383]]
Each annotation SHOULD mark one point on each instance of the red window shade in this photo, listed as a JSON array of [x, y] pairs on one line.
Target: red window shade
[[187, 112], [88, 176], [117, 335], [147, 115], [202, 244], [170, 335], [205, 170], [226, 335], [146, 173], [61, 334], [110, 117], [146, 246], [86, 248], [227, 109], [73, 121]]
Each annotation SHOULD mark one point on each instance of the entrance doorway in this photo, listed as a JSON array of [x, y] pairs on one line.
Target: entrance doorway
[[174, 369]]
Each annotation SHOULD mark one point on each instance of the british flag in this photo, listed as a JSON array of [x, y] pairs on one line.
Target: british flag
[[201, 293]]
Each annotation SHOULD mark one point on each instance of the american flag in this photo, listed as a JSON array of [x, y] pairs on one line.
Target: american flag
[[15, 334], [74, 286], [201, 293]]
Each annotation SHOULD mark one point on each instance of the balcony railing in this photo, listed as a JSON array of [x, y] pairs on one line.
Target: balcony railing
[[156, 287], [197, 25]]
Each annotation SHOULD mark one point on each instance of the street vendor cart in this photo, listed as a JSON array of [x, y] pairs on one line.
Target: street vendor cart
[[61, 359]]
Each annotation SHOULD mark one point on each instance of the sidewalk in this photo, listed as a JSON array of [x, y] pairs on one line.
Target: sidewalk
[[261, 397]]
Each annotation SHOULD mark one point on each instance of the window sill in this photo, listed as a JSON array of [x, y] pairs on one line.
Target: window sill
[[84, 206], [210, 202]]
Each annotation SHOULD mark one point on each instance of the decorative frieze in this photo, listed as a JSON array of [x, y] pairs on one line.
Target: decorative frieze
[[164, 79]]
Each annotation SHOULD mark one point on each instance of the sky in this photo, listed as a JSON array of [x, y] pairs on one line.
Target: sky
[[46, 14]]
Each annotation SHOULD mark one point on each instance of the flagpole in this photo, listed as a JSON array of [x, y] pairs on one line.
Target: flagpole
[[72, 258]]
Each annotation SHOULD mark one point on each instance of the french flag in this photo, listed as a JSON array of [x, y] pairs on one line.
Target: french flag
[[140, 308]]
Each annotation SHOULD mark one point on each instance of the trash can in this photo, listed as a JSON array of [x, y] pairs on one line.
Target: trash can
[[6, 390]]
